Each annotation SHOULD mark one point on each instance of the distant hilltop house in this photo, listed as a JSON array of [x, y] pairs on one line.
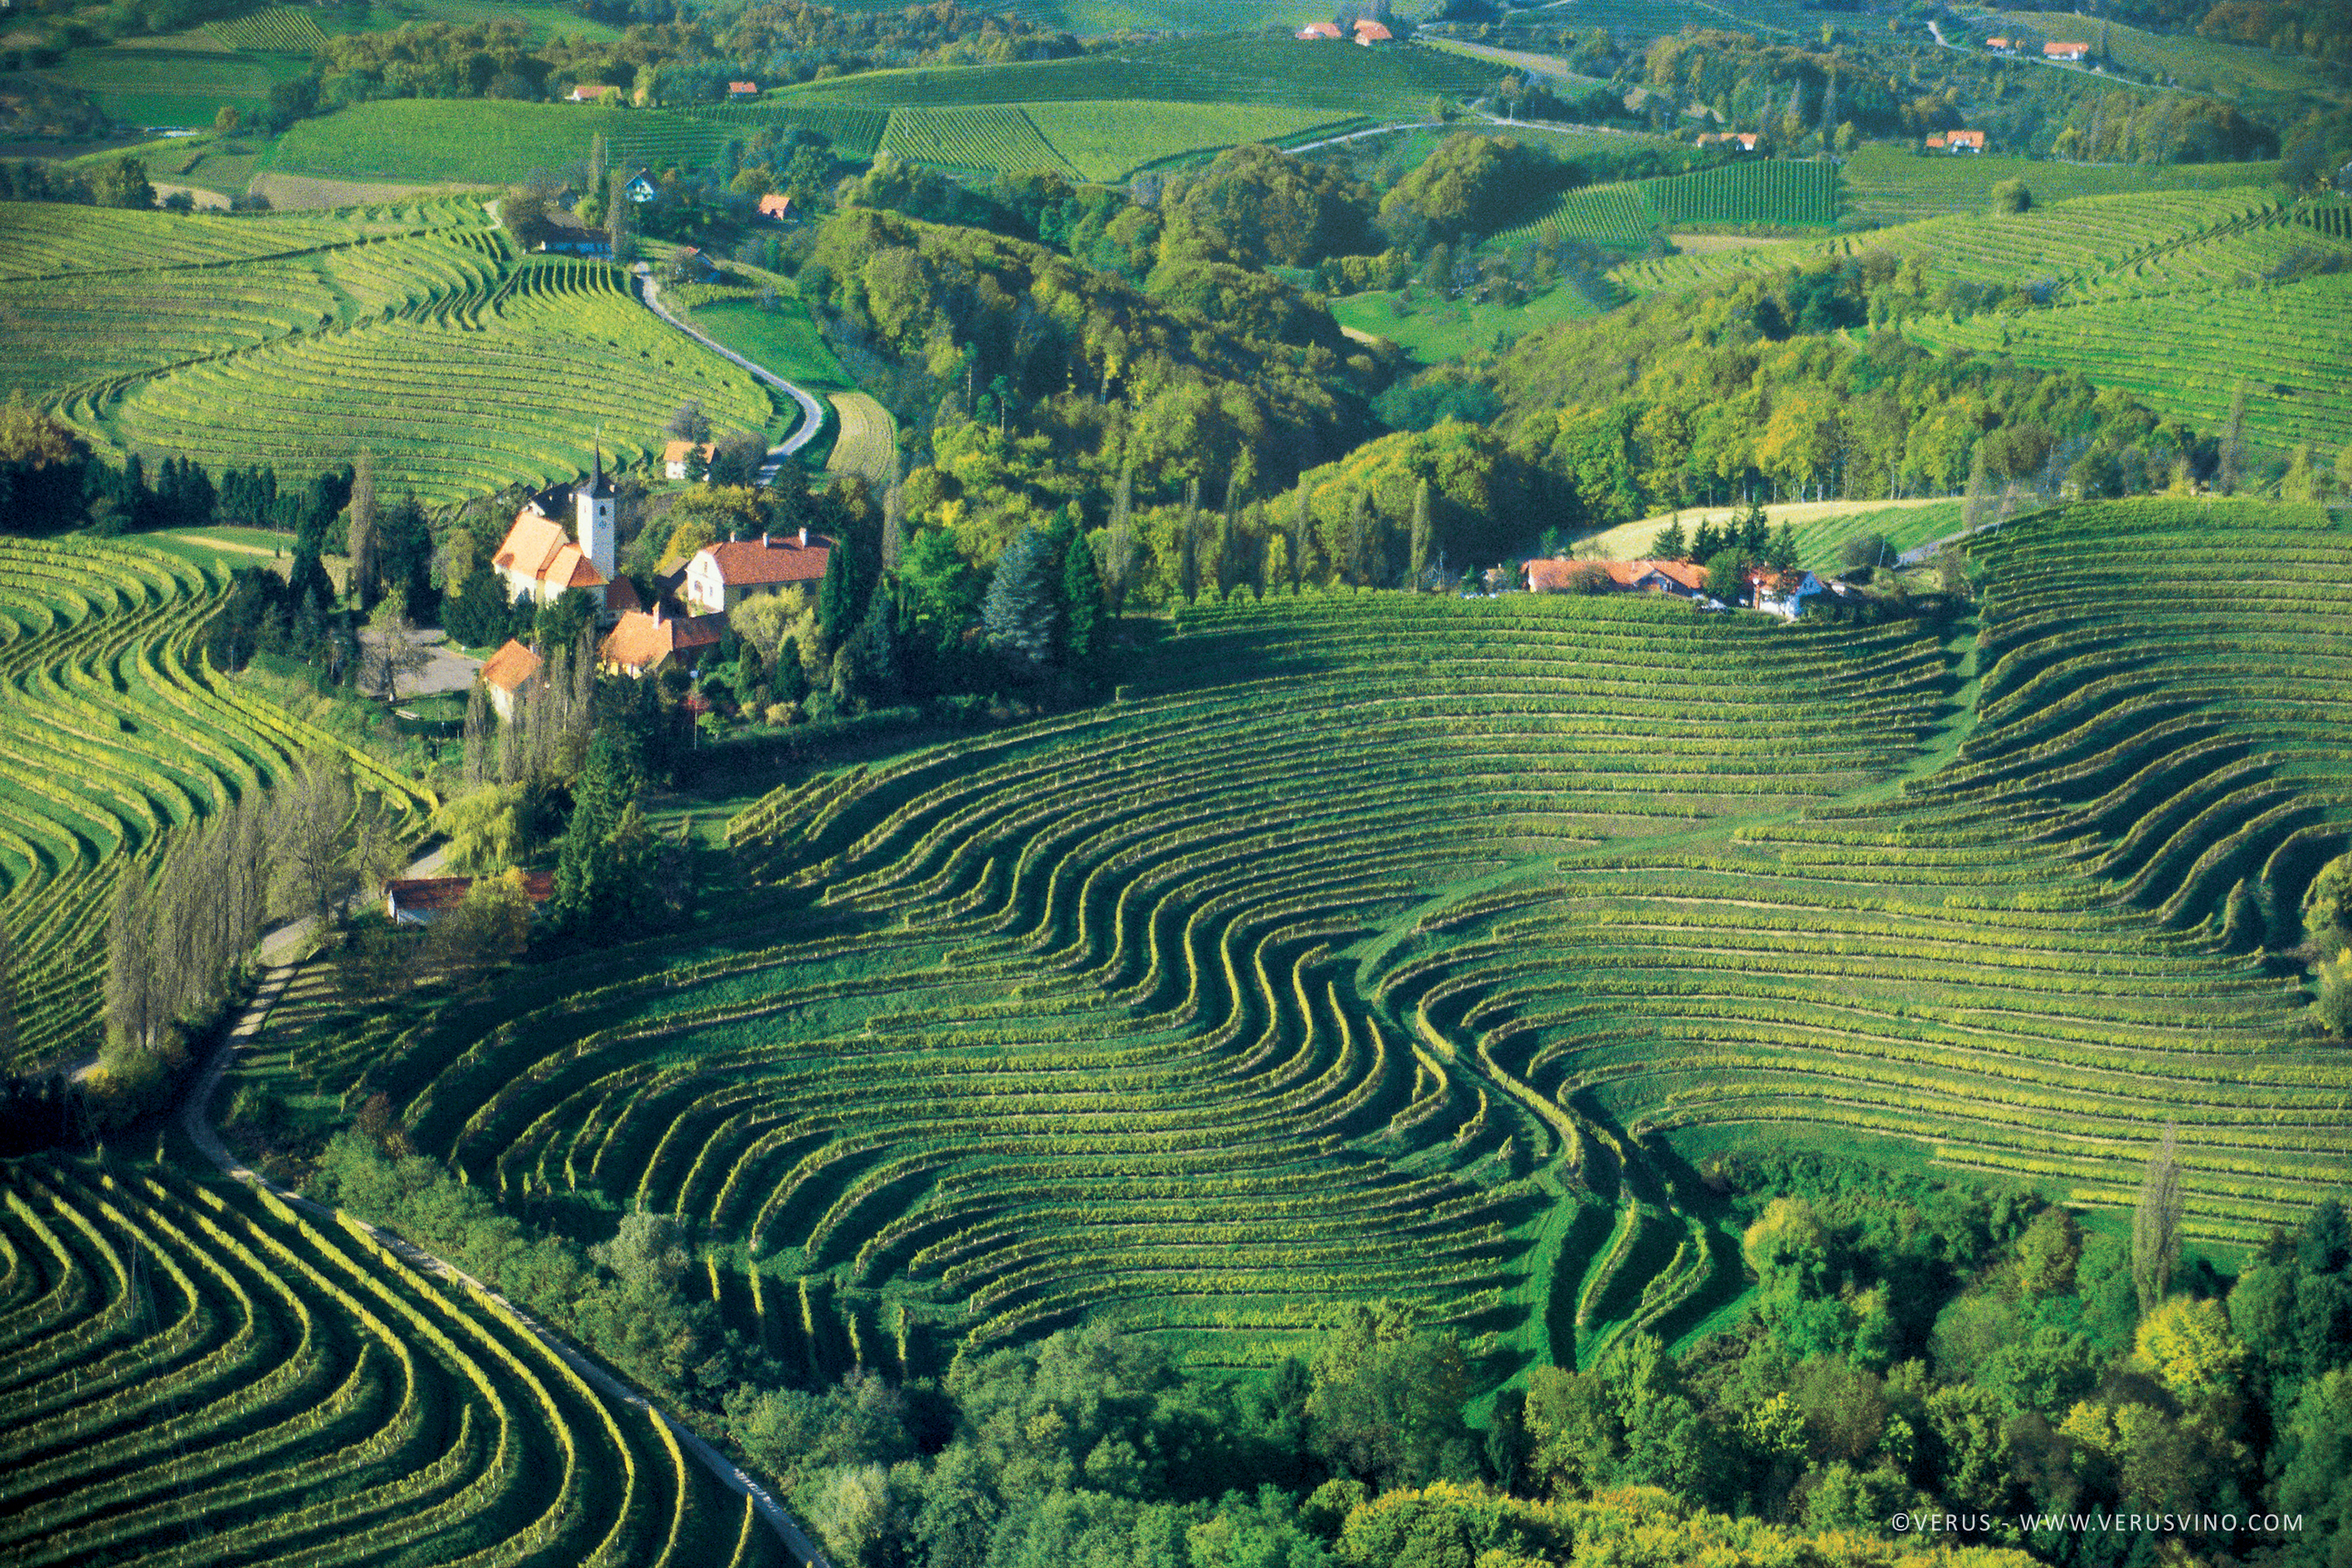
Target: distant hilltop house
[[1369, 31], [1319, 30], [2066, 51], [1746, 141], [641, 187], [692, 263], [645, 642], [776, 205], [737, 91], [723, 575], [592, 92], [674, 455], [1956, 142], [1682, 579], [541, 561], [2001, 45], [418, 900]]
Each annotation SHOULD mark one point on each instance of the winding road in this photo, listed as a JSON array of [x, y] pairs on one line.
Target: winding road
[[812, 411], [278, 950]]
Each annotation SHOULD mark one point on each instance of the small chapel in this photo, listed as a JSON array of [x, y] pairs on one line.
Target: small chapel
[[541, 560]]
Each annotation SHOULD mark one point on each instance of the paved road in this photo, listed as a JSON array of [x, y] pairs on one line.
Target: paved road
[[279, 951], [812, 411]]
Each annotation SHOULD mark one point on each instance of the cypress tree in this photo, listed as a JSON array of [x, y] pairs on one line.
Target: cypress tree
[[837, 605], [1082, 604]]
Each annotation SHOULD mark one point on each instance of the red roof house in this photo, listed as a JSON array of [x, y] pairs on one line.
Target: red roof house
[[1369, 31], [646, 640], [505, 673], [722, 576], [2066, 51], [1319, 30], [742, 89], [777, 206]]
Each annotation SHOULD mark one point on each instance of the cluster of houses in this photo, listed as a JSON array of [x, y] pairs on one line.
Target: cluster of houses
[[1782, 593], [1367, 32], [542, 558]]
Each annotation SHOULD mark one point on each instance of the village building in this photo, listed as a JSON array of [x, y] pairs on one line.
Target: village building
[[776, 205], [567, 236], [2066, 51], [738, 91], [675, 456], [1781, 593], [1319, 30], [1369, 31], [541, 561], [1956, 142], [419, 900], [1683, 579], [641, 187], [592, 92], [2001, 45], [1744, 140], [506, 674], [647, 642], [723, 575]]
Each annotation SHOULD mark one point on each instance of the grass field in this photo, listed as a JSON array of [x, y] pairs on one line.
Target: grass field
[[541, 20], [868, 441], [783, 340], [1227, 68], [1889, 185], [1435, 333], [1818, 527], [174, 87]]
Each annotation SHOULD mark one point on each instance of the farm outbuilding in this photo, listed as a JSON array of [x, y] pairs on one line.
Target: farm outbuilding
[[2066, 51], [645, 642], [1369, 31], [776, 205], [1319, 30]]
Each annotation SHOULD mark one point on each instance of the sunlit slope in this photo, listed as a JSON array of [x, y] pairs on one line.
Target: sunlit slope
[[1064, 1029]]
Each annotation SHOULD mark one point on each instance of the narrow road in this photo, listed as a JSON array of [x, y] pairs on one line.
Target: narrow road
[[278, 950], [812, 411], [1360, 135]]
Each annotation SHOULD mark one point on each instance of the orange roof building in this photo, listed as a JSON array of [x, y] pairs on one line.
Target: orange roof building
[[593, 92], [642, 642], [722, 576], [675, 454], [1319, 30], [1684, 579], [1369, 31], [2066, 51], [505, 673], [541, 561], [742, 89], [777, 206]]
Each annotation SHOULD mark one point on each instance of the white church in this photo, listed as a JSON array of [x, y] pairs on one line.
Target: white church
[[540, 560]]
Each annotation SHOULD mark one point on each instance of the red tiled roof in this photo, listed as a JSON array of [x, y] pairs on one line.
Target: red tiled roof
[[1689, 574], [775, 204], [743, 87], [641, 640], [770, 559], [1319, 30], [1371, 32], [422, 893], [2065, 48], [1966, 139], [621, 598], [509, 667], [675, 451]]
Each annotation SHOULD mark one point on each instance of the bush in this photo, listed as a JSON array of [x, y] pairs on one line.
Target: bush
[[2333, 1008], [2011, 197]]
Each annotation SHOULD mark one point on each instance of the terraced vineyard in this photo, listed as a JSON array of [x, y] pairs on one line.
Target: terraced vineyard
[[2025, 964], [113, 731], [1766, 191], [2187, 354], [274, 29], [411, 330], [1070, 1021], [985, 138], [199, 1374]]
